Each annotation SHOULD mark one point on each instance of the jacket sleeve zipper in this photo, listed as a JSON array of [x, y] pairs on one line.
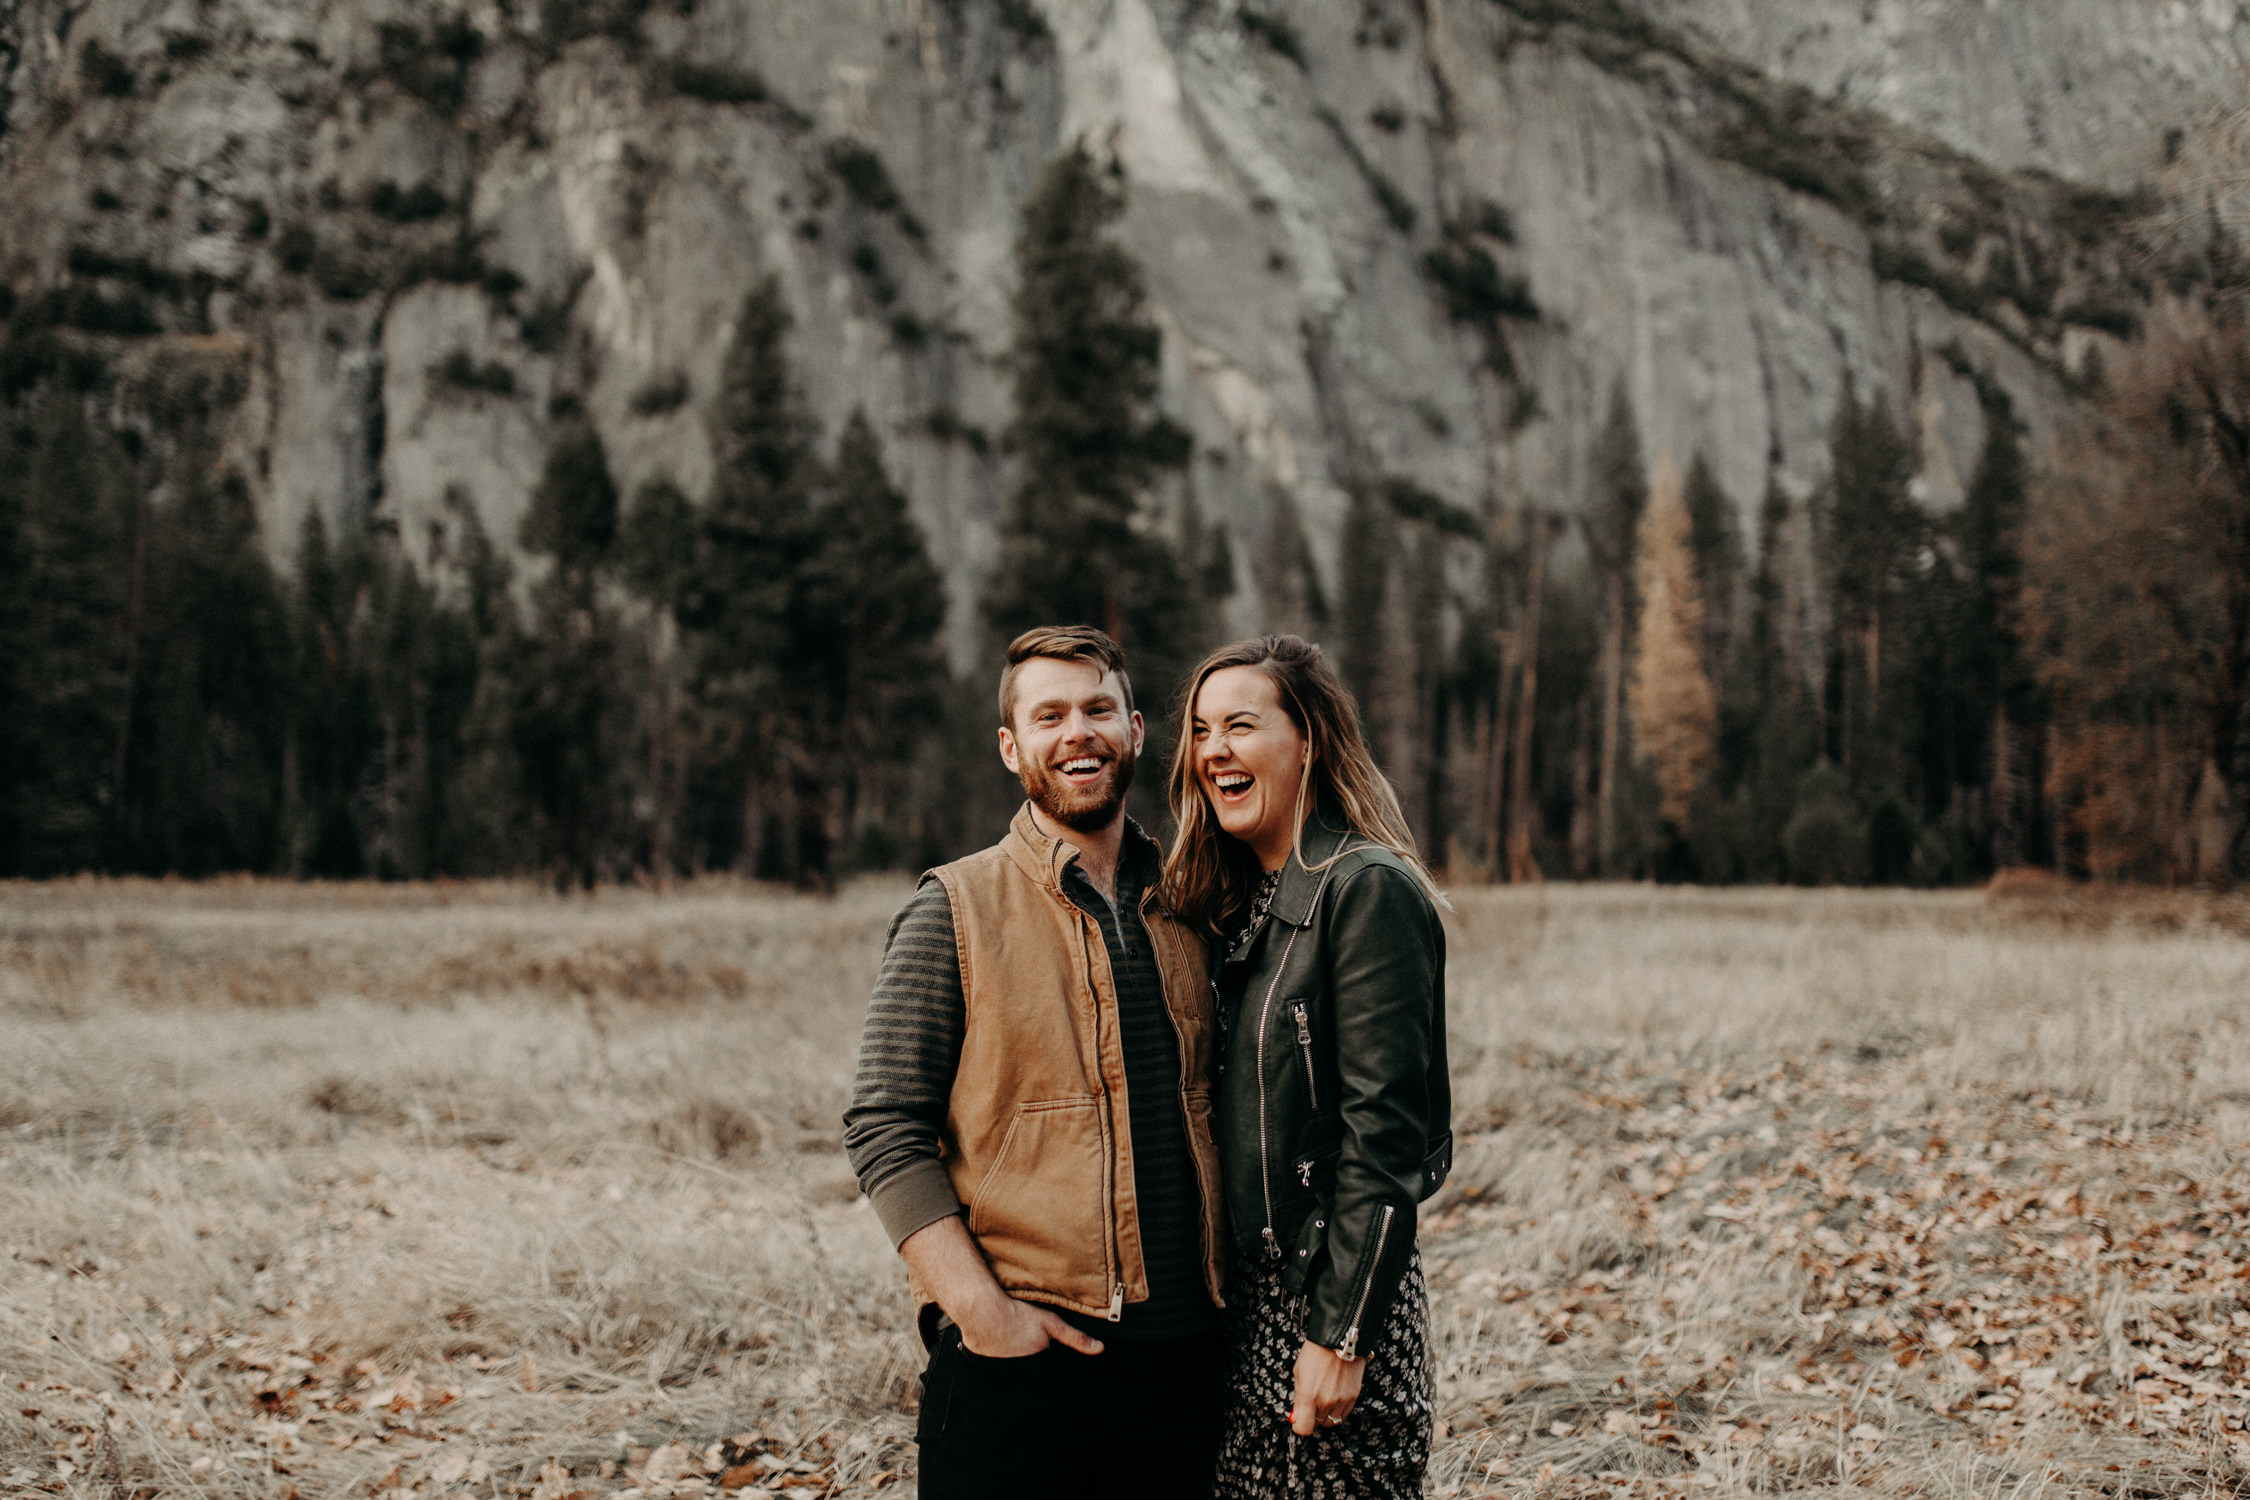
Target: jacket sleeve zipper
[[1349, 1348], [1304, 1047]]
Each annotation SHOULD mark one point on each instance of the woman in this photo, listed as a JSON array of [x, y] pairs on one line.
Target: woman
[[1333, 1102]]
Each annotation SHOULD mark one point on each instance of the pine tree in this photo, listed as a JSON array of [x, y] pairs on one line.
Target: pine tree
[[1987, 535], [71, 488], [567, 708], [1718, 558], [321, 758], [573, 514], [755, 701], [874, 608], [1085, 435], [656, 560], [19, 668], [383, 772], [1874, 532], [1674, 713], [202, 772], [1620, 494]]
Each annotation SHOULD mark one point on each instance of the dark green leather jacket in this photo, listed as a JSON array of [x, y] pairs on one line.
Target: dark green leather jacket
[[1335, 1111]]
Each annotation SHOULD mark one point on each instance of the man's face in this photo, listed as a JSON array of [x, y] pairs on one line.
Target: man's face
[[1073, 743]]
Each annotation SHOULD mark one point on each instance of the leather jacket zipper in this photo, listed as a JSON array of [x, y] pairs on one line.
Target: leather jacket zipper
[[1265, 1017], [1265, 1162], [1349, 1348], [1304, 1047]]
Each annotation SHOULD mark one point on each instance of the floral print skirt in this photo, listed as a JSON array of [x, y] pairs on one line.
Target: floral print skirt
[[1379, 1452]]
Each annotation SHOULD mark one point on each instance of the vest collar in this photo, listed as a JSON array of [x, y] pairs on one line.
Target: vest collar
[[1325, 832], [1044, 859]]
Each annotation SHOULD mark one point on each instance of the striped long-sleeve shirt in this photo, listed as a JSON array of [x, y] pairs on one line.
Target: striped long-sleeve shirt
[[911, 1049]]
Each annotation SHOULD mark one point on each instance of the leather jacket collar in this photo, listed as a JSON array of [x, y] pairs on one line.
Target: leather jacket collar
[[1325, 832]]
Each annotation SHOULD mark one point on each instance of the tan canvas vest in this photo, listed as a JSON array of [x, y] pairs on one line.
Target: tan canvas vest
[[1037, 1137]]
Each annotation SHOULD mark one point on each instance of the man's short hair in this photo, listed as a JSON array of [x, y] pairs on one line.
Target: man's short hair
[[1061, 643]]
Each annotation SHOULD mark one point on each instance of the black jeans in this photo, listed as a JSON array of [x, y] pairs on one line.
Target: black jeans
[[1138, 1420]]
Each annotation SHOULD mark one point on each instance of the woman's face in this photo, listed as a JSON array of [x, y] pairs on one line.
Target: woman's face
[[1250, 760]]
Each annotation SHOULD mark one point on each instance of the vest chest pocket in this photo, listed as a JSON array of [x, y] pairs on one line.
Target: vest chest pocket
[[1040, 1206]]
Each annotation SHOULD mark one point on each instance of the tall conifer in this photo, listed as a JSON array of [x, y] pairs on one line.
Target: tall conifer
[[1873, 531], [1086, 437], [568, 712], [756, 699], [1620, 494], [874, 612]]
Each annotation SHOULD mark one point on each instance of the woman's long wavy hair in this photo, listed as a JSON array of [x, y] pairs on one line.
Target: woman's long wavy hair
[[1209, 875]]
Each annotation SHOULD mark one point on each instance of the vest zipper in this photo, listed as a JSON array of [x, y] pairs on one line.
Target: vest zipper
[[1349, 1348], [1109, 1123], [1304, 1045]]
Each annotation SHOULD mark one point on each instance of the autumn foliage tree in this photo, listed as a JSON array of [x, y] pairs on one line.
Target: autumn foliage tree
[[2137, 605], [1674, 712]]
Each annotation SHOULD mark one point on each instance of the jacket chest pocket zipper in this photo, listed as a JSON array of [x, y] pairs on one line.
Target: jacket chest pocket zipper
[[1304, 1050]]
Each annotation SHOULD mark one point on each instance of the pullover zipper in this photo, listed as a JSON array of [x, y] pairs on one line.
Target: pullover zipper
[[1349, 1348]]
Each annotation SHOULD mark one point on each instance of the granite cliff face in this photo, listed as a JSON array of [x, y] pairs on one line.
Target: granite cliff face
[[2083, 88], [1412, 240]]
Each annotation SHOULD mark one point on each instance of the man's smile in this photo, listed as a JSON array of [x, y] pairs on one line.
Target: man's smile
[[1083, 770]]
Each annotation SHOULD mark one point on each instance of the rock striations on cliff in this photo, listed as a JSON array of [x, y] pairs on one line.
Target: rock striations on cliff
[[1411, 243]]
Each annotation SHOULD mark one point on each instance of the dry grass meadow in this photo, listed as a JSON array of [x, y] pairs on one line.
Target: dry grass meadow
[[449, 1191]]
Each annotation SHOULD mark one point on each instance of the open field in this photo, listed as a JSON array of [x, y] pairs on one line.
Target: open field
[[389, 1191]]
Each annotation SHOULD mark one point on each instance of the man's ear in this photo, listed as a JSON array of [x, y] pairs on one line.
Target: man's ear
[[1008, 751], [1140, 732]]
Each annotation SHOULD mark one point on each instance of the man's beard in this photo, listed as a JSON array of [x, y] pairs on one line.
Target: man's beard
[[1086, 809]]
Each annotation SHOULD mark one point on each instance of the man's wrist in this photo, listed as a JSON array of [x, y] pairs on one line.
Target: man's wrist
[[982, 1308]]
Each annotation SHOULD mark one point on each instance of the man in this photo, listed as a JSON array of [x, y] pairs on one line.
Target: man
[[1032, 1123]]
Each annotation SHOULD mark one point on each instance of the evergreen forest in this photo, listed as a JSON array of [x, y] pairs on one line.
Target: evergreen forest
[[645, 685]]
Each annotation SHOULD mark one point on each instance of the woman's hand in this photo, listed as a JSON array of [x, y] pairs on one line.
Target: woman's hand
[[1327, 1388]]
